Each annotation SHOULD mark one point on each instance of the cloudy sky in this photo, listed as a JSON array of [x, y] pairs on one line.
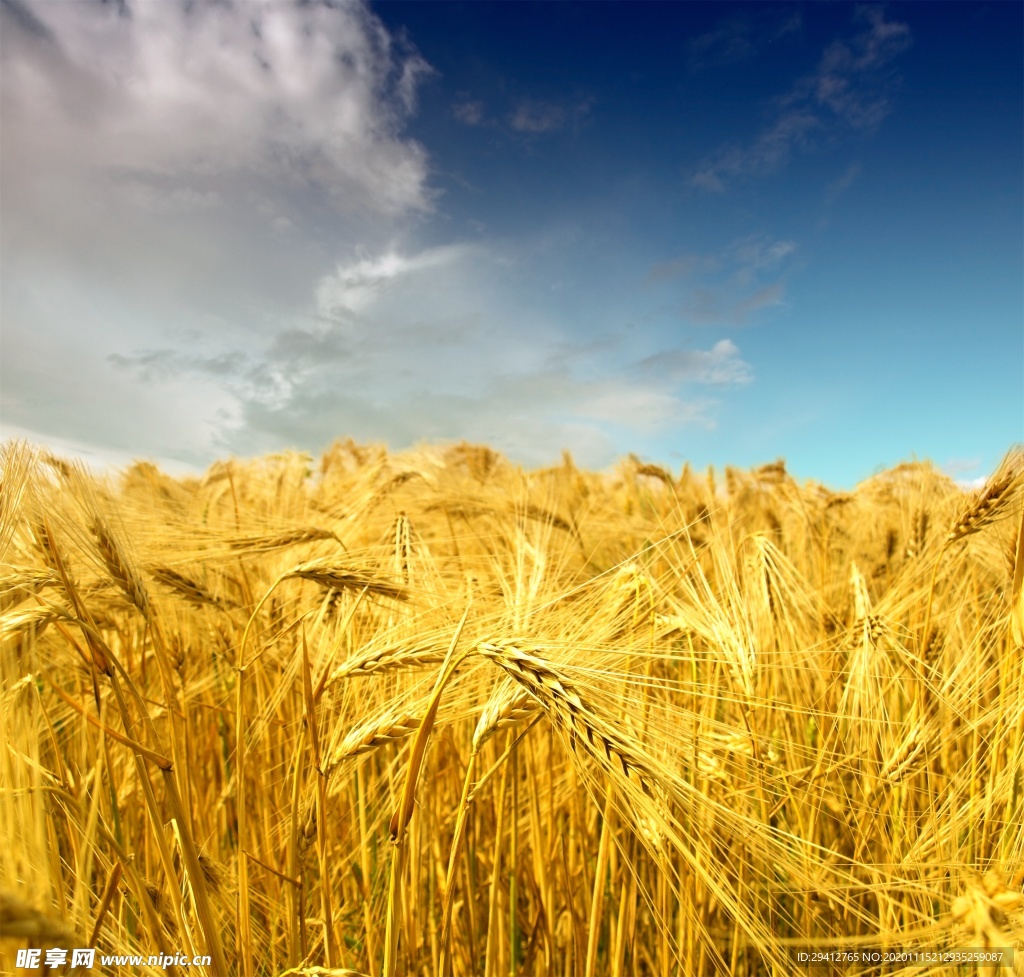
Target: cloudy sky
[[719, 233]]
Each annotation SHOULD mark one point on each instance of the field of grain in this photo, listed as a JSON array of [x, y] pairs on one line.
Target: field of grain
[[430, 714]]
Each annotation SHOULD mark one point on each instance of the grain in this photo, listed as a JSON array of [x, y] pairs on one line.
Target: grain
[[507, 706], [392, 727], [121, 571], [185, 587], [337, 576], [673, 731], [987, 505], [266, 543], [391, 656], [609, 746]]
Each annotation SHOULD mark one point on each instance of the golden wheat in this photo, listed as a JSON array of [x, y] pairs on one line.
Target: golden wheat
[[494, 721]]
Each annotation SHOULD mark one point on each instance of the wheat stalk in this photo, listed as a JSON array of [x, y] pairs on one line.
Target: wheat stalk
[[467, 510]]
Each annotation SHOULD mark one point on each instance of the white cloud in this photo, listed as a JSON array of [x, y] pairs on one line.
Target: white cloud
[[759, 252], [172, 284], [639, 410], [175, 178], [191, 92], [962, 471], [436, 344], [147, 198], [354, 286], [972, 484]]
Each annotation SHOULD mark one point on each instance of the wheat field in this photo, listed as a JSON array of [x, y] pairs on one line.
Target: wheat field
[[431, 714]]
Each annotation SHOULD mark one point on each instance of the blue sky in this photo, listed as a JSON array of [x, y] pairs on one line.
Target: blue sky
[[716, 233]]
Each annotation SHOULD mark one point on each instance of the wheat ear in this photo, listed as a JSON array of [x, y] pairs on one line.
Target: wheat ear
[[985, 508], [193, 592], [120, 570], [376, 659], [264, 544], [615, 752], [392, 726], [327, 573], [508, 705]]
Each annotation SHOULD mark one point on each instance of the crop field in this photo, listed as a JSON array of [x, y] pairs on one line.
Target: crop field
[[432, 714]]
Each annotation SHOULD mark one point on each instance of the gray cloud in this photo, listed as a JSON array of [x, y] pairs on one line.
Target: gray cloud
[[718, 366], [529, 415], [398, 370], [462, 358], [528, 116], [742, 259], [739, 38], [791, 130], [757, 253], [682, 267], [850, 89], [715, 306], [110, 414], [727, 287], [165, 364], [841, 184], [21, 17], [536, 116], [150, 364], [469, 112]]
